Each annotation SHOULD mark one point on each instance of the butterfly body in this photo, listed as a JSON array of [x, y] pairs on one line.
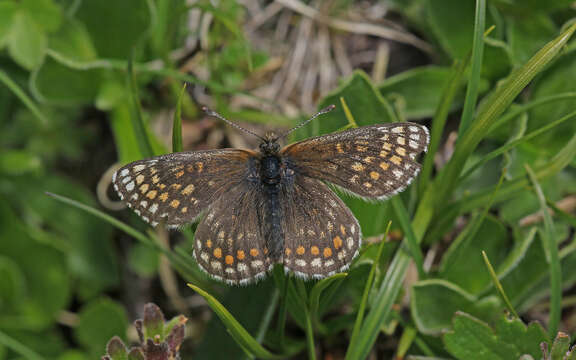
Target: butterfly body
[[273, 205]]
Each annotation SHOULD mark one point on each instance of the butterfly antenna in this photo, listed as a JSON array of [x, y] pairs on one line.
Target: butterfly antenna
[[211, 112], [321, 112]]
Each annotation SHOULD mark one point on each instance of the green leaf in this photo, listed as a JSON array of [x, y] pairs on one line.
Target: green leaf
[[43, 267], [236, 330], [419, 90], [462, 264], [27, 41], [557, 79], [15, 162], [434, 302], [58, 84], [115, 26], [98, 322], [7, 12], [72, 42], [452, 23], [45, 13], [474, 339], [527, 34], [12, 284]]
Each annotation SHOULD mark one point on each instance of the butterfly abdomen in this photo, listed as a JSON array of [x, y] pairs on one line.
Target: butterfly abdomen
[[271, 177]]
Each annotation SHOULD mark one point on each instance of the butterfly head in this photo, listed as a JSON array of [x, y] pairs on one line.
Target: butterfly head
[[269, 144]]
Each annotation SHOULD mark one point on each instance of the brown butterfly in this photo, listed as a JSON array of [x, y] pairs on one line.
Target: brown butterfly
[[273, 205]]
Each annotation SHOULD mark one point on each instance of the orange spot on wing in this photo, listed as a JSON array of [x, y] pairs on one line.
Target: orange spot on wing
[[240, 254], [163, 196], [151, 194], [374, 175], [184, 209], [208, 243], [300, 250], [188, 189], [254, 252], [342, 229], [314, 250], [174, 203], [179, 173], [396, 160], [199, 166], [144, 188], [384, 166], [337, 242], [155, 179], [288, 251], [218, 253], [229, 259], [327, 252], [176, 186], [401, 151]]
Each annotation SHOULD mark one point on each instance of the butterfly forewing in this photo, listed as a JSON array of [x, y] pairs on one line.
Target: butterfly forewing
[[175, 188], [322, 236], [229, 242], [372, 161]]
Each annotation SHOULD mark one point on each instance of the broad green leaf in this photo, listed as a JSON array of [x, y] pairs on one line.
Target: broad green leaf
[[98, 322], [12, 284], [7, 12], [419, 89], [434, 303], [472, 338], [47, 283], [72, 42], [527, 34], [58, 84], [462, 264], [557, 79], [27, 41], [364, 101], [45, 13], [115, 26]]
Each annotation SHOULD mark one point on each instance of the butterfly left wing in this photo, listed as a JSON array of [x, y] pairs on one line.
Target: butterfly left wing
[[322, 236], [373, 162], [230, 242], [175, 188]]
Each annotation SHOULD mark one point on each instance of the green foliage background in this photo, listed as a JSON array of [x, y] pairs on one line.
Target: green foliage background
[[79, 83]]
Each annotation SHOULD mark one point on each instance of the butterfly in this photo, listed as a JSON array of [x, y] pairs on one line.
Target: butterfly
[[274, 205]]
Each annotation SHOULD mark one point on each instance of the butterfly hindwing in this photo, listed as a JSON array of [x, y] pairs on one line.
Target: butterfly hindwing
[[229, 242], [175, 188], [373, 162], [322, 236]]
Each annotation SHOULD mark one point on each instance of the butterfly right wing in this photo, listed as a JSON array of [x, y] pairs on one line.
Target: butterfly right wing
[[373, 162], [322, 236], [175, 188]]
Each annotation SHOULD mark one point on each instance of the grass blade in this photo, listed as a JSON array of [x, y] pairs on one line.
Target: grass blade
[[18, 347], [551, 245], [137, 118], [20, 94], [477, 57], [368, 287], [236, 330], [498, 285], [411, 241], [177, 123]]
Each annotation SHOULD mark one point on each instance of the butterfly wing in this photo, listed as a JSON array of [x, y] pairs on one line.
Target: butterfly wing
[[175, 188], [322, 236], [373, 162], [230, 242]]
